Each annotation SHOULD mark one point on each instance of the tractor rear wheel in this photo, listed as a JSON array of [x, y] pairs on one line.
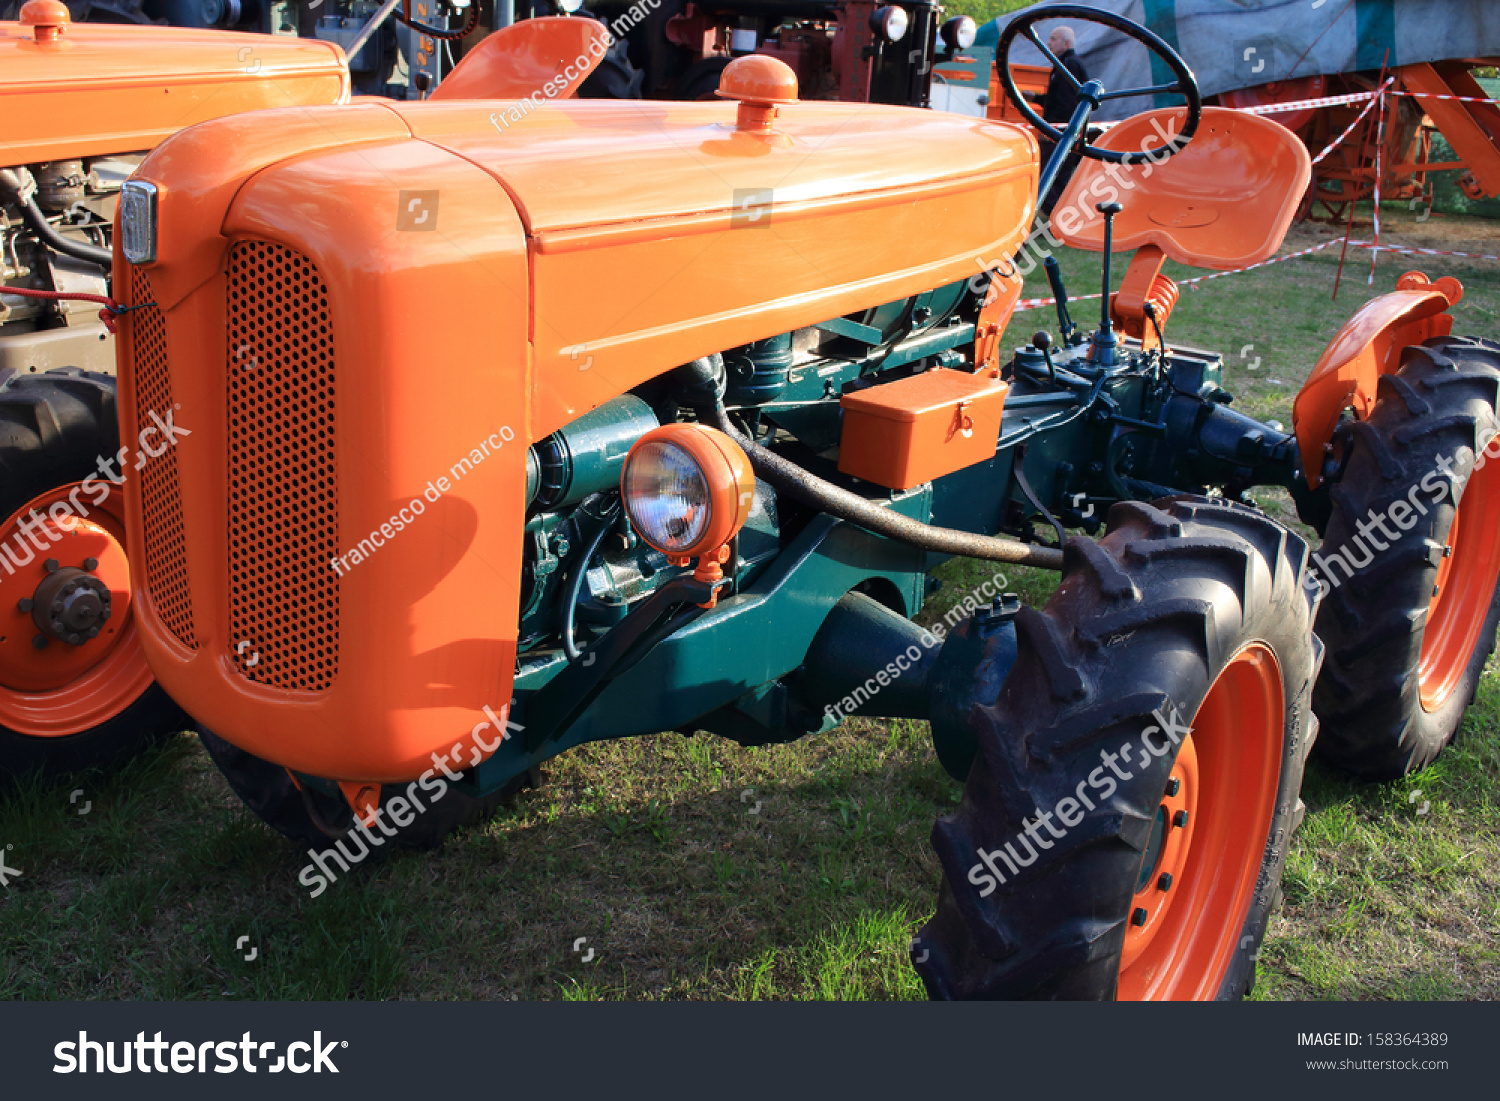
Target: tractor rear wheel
[[310, 817], [1158, 714], [75, 690], [1411, 562]]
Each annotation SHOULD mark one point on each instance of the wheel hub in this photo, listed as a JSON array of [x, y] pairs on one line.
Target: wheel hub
[[64, 596], [70, 604]]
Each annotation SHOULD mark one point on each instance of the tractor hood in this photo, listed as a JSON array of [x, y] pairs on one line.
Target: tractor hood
[[102, 88], [691, 234], [363, 309]]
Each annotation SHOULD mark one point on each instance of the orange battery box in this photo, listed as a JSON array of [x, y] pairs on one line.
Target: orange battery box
[[904, 433]]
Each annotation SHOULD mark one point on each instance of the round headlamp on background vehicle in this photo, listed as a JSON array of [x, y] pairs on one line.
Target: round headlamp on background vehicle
[[687, 489], [890, 22], [958, 33]]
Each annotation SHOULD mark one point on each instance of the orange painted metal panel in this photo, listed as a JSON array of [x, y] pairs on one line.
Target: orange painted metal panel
[[905, 433], [102, 88], [686, 236], [1473, 129], [414, 316], [1368, 345], [521, 60], [1225, 201]]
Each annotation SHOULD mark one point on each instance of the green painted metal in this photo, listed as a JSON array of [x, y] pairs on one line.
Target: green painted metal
[[735, 650]]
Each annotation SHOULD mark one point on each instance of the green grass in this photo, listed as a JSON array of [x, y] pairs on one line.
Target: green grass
[[654, 850]]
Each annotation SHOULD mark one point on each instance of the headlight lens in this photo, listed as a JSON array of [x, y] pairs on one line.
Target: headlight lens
[[688, 489], [890, 22], [666, 496], [138, 221], [958, 33]]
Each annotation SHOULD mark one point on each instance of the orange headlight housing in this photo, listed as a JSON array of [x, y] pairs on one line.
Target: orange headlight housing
[[687, 489]]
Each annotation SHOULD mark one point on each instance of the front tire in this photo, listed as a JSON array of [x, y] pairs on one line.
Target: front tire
[[310, 817], [1164, 876], [1410, 615], [67, 706]]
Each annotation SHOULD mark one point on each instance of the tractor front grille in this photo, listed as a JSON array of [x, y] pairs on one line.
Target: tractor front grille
[[161, 504], [283, 520]]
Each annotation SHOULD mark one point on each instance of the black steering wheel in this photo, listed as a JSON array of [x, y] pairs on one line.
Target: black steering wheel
[[1185, 85]]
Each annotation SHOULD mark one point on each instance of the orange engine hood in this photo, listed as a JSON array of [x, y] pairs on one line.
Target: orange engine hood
[[104, 88], [350, 301], [687, 235]]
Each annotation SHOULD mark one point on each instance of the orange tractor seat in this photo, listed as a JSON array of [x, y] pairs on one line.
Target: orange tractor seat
[[1225, 201]]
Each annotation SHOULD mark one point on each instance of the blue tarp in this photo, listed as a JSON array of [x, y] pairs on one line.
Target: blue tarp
[[1233, 44]]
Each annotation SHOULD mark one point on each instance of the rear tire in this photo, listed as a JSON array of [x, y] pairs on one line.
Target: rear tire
[[54, 428], [1402, 666], [310, 817], [1189, 604]]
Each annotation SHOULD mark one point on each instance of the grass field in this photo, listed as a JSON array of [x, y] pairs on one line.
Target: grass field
[[698, 869]]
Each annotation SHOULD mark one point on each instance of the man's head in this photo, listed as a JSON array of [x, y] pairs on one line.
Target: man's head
[[1061, 40]]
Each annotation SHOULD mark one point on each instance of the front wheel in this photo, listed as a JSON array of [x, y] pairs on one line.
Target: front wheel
[[1411, 563], [1125, 824], [75, 689]]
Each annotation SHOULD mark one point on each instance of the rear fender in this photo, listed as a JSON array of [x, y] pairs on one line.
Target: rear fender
[[1368, 346]]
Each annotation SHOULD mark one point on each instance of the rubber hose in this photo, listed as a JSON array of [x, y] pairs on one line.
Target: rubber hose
[[827, 497], [575, 583], [37, 222]]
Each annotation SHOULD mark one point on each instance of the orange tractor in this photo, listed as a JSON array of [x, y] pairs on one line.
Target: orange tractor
[[83, 109], [518, 426]]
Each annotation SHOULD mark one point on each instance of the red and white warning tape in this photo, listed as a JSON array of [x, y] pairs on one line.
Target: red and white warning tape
[[1423, 251], [1439, 95], [1336, 142], [1353, 97], [1038, 303], [1298, 104]]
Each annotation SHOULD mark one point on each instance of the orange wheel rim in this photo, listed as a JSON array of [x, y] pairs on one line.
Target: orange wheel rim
[[64, 688], [1208, 838], [1466, 580]]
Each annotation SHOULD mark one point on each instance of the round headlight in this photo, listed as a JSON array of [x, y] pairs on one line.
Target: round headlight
[[958, 33], [687, 489], [890, 22]]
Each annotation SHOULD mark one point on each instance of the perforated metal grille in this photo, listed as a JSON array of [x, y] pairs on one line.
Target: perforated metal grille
[[283, 494], [161, 507]]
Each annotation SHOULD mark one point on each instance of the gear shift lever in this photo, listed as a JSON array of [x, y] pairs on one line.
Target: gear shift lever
[[1103, 352]]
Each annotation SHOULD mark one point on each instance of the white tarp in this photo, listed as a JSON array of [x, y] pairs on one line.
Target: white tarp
[[1233, 44]]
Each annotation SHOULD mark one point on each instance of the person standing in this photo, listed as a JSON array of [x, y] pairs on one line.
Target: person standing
[[1059, 102]]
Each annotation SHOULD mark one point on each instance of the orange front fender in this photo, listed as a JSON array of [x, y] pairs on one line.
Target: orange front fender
[[1368, 346]]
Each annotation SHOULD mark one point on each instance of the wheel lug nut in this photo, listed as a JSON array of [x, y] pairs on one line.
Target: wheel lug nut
[[1174, 785], [24, 604], [91, 563], [1180, 818], [52, 565], [39, 642], [1139, 916], [1164, 881]]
